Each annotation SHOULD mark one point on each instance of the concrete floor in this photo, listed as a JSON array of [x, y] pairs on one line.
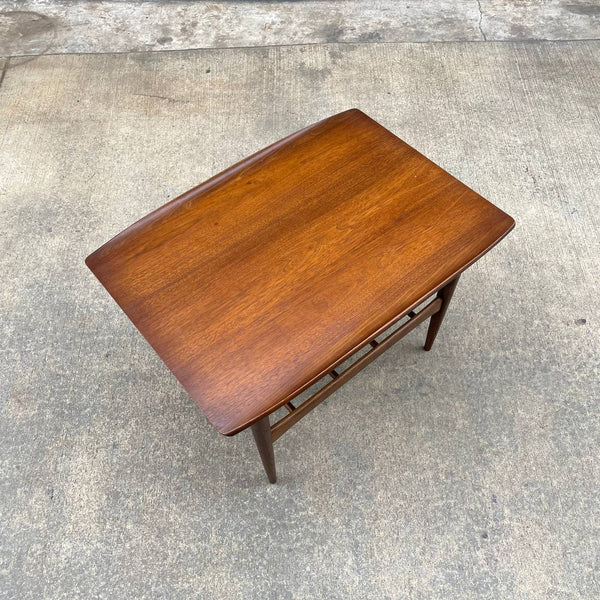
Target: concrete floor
[[471, 471], [33, 27]]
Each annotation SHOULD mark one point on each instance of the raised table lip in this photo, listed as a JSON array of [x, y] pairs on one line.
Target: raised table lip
[[233, 426], [219, 178]]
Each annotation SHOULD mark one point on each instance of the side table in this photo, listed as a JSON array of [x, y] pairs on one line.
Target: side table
[[264, 279]]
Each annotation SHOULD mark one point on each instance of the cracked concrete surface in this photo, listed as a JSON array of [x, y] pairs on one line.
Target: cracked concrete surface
[[481, 21], [40, 26], [468, 472]]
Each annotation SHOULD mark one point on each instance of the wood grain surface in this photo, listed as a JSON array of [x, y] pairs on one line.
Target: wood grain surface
[[259, 281]]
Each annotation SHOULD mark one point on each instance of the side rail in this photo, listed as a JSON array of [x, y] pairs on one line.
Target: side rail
[[295, 413]]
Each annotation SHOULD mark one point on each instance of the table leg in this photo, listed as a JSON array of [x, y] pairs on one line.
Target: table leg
[[436, 320], [261, 430]]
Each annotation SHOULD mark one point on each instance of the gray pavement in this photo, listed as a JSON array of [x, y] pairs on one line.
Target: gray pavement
[[471, 471], [48, 26]]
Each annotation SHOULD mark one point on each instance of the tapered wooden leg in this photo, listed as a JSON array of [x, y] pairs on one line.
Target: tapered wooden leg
[[264, 442], [436, 320]]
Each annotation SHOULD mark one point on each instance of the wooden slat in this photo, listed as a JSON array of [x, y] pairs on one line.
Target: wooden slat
[[279, 428]]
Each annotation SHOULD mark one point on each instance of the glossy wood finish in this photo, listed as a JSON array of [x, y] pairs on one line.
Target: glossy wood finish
[[260, 281]]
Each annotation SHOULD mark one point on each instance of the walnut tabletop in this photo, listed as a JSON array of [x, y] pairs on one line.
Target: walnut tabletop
[[258, 282]]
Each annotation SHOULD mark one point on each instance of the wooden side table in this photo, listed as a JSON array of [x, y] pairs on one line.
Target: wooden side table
[[261, 281]]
